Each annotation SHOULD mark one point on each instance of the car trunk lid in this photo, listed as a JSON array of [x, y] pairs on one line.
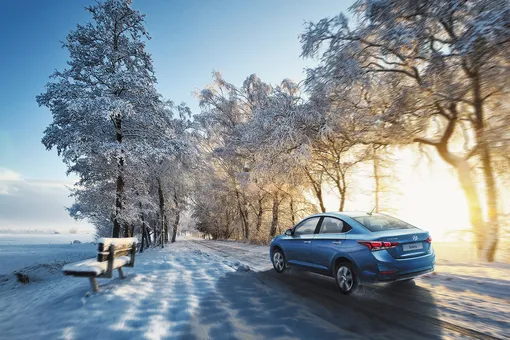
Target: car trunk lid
[[411, 242]]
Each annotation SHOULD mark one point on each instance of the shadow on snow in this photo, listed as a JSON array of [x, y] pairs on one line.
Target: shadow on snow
[[186, 297]]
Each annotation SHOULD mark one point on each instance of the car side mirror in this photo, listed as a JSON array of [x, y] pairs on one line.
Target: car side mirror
[[288, 232]]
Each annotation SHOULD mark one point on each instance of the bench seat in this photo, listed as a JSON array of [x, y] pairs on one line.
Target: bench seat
[[93, 268]]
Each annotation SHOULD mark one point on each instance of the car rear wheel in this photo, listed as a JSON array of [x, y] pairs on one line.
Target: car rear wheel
[[346, 278], [278, 261]]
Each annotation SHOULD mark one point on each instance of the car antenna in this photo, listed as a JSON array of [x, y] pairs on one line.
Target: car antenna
[[370, 213]]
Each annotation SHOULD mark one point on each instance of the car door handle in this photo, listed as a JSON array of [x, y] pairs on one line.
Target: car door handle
[[306, 242], [336, 242]]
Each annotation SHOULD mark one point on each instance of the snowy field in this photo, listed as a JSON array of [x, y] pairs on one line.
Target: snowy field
[[203, 290], [25, 239], [18, 251]]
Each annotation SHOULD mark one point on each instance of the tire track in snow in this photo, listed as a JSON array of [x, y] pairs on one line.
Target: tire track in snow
[[391, 314]]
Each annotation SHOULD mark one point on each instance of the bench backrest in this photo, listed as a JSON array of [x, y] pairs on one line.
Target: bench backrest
[[114, 247], [108, 249]]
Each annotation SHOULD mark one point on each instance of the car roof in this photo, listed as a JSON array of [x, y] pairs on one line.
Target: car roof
[[344, 214]]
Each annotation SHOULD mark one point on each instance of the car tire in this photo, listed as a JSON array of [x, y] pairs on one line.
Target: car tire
[[346, 278], [279, 262]]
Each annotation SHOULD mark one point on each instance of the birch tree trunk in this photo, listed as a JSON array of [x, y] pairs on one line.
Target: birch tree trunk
[[317, 189], [161, 212], [490, 244], [473, 200], [243, 214], [377, 179], [292, 212], [119, 194], [177, 218], [274, 221], [144, 231], [260, 212], [492, 227]]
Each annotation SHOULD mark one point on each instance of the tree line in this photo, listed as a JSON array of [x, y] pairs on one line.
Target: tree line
[[257, 157]]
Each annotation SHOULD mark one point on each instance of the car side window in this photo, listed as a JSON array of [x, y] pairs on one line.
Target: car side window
[[306, 227], [333, 226]]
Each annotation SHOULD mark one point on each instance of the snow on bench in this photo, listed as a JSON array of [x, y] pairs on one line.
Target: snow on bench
[[107, 242], [94, 267], [112, 253]]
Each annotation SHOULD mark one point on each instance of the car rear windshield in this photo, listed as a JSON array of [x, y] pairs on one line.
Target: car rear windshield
[[383, 222]]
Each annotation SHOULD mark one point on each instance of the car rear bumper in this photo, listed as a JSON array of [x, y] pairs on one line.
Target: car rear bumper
[[385, 268]]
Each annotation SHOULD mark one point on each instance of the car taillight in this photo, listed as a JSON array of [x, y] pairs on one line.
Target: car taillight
[[429, 239], [378, 245]]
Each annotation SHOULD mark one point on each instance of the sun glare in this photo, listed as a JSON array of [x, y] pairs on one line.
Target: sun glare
[[433, 200], [427, 195]]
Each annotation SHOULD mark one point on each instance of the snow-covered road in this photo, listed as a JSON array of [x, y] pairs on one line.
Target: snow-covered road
[[201, 290], [458, 300]]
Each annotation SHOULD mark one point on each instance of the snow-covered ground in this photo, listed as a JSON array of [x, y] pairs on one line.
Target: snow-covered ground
[[177, 292], [203, 290]]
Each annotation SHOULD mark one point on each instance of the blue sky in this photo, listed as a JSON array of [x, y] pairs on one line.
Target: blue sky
[[190, 39]]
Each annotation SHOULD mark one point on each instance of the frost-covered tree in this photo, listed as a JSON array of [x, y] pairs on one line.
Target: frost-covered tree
[[105, 100], [353, 132], [278, 137], [242, 188], [225, 110], [444, 63], [316, 140]]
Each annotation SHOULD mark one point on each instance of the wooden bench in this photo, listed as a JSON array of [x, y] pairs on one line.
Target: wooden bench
[[112, 253]]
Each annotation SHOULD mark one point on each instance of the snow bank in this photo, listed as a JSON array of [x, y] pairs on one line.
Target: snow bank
[[40, 272]]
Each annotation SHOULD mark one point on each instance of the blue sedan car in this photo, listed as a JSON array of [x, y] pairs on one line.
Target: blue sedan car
[[355, 248]]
